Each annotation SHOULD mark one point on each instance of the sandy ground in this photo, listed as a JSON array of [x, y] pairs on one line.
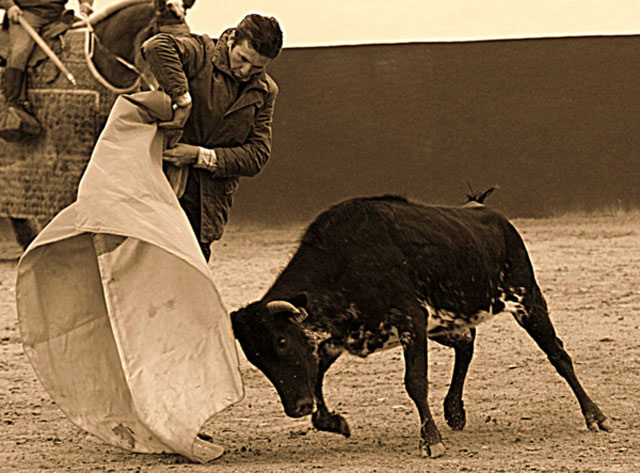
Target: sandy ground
[[521, 416]]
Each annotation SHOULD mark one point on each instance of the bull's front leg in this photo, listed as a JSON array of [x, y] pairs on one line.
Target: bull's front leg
[[322, 419], [414, 343]]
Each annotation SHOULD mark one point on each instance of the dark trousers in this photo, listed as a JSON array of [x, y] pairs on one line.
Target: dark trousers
[[21, 44], [191, 204]]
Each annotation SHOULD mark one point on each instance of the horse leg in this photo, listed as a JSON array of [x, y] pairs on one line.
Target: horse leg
[[462, 343], [25, 230]]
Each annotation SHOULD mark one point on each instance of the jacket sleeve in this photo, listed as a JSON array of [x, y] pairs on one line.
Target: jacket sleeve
[[249, 158], [173, 60], [6, 4]]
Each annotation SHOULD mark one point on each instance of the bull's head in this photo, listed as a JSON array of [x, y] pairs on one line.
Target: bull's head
[[273, 339]]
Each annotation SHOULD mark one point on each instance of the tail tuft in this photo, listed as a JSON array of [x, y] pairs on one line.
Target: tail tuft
[[479, 198]]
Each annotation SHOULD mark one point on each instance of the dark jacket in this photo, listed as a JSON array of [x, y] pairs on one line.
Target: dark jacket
[[236, 125], [49, 9]]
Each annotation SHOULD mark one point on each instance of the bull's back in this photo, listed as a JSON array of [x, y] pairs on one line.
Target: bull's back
[[457, 234], [453, 256]]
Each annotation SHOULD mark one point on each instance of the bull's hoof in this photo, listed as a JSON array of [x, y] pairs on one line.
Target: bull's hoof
[[330, 423], [599, 424], [455, 415], [432, 451]]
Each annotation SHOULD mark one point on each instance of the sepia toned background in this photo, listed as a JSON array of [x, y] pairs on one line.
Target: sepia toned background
[[421, 98], [426, 98], [553, 122]]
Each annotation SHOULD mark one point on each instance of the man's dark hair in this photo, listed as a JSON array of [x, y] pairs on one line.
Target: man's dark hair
[[262, 32]]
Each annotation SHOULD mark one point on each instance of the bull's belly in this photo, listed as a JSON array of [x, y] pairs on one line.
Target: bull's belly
[[440, 322], [444, 322]]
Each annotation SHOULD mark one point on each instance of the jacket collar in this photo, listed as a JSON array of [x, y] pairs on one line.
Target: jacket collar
[[220, 59]]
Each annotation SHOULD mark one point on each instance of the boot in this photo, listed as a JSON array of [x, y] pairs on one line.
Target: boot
[[14, 89], [16, 119], [12, 86]]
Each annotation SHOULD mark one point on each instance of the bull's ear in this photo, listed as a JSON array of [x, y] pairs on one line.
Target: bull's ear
[[299, 300]]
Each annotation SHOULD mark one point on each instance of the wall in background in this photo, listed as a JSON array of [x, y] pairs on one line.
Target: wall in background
[[553, 122]]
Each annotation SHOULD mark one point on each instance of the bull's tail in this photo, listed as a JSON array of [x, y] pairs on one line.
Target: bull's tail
[[474, 198]]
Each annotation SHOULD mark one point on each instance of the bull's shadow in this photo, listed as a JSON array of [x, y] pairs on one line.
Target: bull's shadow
[[373, 273]]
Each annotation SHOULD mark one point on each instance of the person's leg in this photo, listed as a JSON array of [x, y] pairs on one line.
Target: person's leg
[[21, 46], [190, 203], [205, 247], [11, 86], [21, 43]]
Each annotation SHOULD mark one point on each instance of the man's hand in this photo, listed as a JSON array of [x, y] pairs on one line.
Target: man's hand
[[14, 13], [177, 7], [85, 8], [173, 128], [180, 117], [181, 154]]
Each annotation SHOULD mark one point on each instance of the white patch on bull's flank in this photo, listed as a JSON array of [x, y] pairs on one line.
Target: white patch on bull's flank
[[363, 342], [444, 321], [332, 349], [393, 341], [516, 308], [440, 322], [316, 337]]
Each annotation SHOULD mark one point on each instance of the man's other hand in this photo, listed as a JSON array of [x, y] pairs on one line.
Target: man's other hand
[[173, 128], [181, 154], [177, 7], [14, 13], [85, 8]]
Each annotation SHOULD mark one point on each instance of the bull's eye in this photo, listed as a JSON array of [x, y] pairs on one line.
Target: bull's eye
[[282, 343]]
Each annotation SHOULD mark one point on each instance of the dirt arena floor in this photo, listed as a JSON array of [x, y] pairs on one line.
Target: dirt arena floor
[[521, 416]]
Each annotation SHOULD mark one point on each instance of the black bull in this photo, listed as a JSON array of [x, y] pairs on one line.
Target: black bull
[[374, 272]]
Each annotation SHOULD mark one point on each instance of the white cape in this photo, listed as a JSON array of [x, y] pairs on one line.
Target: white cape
[[117, 307]]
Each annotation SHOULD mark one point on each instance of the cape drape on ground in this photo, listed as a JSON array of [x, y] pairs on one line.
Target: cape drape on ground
[[117, 307]]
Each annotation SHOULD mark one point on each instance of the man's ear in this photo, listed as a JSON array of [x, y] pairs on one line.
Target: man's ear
[[231, 39]]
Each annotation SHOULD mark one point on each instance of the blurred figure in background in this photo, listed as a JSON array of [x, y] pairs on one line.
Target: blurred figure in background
[[39, 14], [172, 15]]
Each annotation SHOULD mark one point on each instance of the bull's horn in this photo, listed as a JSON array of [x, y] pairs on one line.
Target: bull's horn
[[281, 306], [299, 314]]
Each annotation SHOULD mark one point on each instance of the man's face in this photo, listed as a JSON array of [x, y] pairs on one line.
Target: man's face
[[244, 61]]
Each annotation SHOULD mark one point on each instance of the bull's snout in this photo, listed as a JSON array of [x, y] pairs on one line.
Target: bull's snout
[[303, 407]]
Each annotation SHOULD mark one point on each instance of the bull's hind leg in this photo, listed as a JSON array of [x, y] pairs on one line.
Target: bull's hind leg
[[535, 320], [462, 343], [322, 419], [414, 343]]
